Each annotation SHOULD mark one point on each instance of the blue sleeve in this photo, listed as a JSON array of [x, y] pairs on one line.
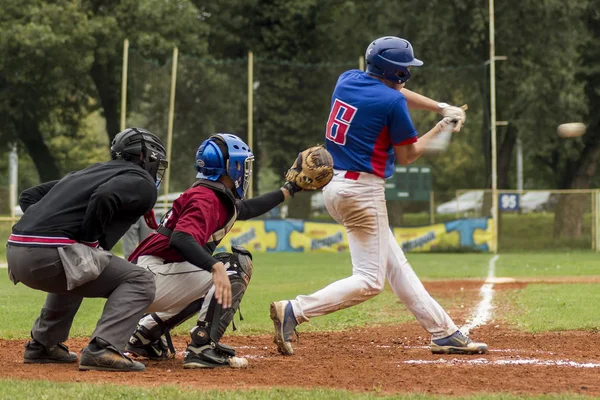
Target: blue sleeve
[[400, 125]]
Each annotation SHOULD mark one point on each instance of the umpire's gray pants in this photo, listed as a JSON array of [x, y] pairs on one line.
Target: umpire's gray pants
[[129, 291]]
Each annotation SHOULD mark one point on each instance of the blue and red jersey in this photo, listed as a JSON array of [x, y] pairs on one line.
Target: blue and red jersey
[[366, 120]]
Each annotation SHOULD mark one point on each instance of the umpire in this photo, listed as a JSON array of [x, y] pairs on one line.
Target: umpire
[[54, 247]]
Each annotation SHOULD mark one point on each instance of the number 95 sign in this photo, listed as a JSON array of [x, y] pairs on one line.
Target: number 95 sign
[[509, 202]]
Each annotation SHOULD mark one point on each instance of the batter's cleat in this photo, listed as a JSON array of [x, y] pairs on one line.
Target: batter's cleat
[[37, 353], [156, 350], [285, 324], [209, 356], [108, 358], [457, 343]]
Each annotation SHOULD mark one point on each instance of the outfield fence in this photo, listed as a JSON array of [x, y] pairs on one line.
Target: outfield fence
[[533, 220]]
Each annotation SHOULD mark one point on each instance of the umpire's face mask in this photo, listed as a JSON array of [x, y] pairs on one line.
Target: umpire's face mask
[[161, 171], [157, 167]]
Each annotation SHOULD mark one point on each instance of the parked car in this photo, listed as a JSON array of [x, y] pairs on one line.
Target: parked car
[[535, 201], [466, 202]]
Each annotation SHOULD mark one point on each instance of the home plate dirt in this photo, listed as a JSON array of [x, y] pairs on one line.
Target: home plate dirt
[[389, 359]]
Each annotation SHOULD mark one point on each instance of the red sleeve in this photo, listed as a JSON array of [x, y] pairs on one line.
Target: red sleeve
[[201, 215]]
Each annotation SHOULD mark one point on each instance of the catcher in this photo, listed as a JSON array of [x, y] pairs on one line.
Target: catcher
[[189, 278]]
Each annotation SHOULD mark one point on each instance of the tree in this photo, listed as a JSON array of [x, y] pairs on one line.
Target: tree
[[581, 162], [44, 58], [153, 27]]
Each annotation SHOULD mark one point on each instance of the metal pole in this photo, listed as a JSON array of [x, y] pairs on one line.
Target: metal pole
[[170, 125], [493, 126], [13, 168], [597, 209], [519, 164], [431, 208], [124, 83], [593, 222], [361, 63], [250, 110]]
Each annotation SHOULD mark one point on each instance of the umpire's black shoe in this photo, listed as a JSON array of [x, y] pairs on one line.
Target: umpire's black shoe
[[107, 358], [37, 353]]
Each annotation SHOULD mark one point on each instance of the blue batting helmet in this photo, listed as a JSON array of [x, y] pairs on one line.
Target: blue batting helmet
[[225, 154], [389, 57]]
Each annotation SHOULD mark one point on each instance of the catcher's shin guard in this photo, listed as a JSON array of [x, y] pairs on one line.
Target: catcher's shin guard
[[149, 342], [205, 351]]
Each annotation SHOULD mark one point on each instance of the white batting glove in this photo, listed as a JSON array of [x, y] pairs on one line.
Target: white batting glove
[[446, 124], [455, 113]]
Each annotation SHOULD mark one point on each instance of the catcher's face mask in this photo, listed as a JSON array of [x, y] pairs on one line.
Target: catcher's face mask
[[240, 173]]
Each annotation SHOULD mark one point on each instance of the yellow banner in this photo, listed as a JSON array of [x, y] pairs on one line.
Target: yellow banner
[[301, 236]]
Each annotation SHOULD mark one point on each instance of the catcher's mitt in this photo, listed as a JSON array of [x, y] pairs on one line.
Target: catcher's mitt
[[312, 169]]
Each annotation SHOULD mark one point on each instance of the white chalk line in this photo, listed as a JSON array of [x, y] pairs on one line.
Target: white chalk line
[[510, 351], [521, 361], [483, 312], [3, 265]]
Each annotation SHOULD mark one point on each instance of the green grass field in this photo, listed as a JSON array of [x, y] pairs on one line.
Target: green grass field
[[26, 390], [281, 276], [536, 308]]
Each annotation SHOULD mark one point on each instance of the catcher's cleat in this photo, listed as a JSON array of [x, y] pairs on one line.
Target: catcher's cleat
[[37, 353], [457, 343], [285, 324], [209, 356], [107, 358], [156, 350]]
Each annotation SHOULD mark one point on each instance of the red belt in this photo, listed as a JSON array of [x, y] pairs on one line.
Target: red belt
[[352, 175], [50, 241]]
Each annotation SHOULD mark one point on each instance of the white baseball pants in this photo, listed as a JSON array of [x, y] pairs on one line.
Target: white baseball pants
[[177, 286], [359, 205]]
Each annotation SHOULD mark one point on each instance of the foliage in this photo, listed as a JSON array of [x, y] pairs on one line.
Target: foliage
[[61, 61]]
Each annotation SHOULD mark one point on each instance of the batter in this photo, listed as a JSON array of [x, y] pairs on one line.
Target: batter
[[369, 127]]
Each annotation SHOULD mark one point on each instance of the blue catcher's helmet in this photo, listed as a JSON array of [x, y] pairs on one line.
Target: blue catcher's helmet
[[225, 154], [389, 57]]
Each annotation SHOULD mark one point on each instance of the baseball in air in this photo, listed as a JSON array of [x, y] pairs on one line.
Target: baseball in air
[[570, 130]]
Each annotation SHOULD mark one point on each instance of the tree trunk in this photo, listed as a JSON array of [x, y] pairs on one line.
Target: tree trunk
[[568, 220], [109, 93], [42, 157], [505, 150]]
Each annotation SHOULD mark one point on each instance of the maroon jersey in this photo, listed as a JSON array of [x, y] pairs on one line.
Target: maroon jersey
[[198, 212]]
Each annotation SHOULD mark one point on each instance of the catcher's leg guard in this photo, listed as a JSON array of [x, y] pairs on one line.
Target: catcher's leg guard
[[151, 338], [205, 351]]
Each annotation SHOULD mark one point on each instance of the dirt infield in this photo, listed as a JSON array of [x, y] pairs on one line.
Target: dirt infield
[[382, 359]]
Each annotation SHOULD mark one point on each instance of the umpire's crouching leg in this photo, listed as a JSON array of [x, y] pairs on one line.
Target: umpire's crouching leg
[[132, 290]]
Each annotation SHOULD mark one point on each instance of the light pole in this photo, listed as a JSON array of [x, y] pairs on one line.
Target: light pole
[[494, 123]]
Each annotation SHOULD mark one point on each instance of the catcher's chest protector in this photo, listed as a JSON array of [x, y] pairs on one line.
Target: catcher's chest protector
[[226, 195]]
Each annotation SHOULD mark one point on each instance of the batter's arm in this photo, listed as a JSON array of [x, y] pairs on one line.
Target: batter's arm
[[409, 153], [417, 101]]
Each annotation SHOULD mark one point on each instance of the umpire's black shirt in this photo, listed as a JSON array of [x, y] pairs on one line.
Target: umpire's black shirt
[[99, 203]]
